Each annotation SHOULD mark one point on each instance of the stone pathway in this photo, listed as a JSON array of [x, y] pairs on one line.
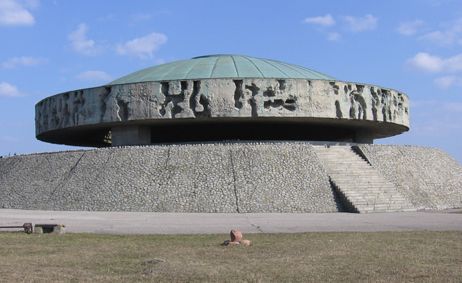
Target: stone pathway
[[211, 223]]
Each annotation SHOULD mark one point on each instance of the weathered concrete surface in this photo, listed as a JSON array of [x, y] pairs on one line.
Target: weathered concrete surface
[[217, 177], [379, 112], [207, 223], [428, 177], [222, 177]]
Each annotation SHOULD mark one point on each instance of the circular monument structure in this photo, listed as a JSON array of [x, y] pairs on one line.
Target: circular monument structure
[[222, 97], [228, 134]]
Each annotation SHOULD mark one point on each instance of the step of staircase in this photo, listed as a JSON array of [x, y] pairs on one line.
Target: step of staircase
[[363, 187]]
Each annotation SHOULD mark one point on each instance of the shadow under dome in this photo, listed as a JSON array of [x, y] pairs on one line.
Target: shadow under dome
[[225, 129]]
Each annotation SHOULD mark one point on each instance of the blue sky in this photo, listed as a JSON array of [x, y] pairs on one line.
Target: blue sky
[[53, 46]]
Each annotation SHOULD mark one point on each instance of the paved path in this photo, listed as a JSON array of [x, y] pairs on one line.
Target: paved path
[[193, 223]]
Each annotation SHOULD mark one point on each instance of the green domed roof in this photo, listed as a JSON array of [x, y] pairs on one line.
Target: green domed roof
[[221, 66]]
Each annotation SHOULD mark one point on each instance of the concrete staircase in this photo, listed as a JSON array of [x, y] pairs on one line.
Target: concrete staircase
[[361, 187]]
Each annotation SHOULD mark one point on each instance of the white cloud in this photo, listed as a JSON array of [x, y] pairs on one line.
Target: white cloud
[[451, 66], [359, 24], [9, 90], [443, 38], [449, 35], [454, 63], [431, 63], [94, 75], [21, 61], [410, 28], [446, 82], [326, 20], [333, 36], [80, 43], [12, 13], [142, 47], [426, 62]]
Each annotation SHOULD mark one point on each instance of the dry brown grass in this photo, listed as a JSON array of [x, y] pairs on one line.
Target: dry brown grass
[[307, 257]]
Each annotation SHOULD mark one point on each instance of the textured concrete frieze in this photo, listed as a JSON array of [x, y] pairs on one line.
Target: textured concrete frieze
[[222, 98]]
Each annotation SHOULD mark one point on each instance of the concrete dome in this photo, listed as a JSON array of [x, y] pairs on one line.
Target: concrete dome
[[221, 66]]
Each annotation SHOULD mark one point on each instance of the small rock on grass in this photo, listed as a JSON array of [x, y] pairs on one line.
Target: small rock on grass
[[236, 235], [236, 239]]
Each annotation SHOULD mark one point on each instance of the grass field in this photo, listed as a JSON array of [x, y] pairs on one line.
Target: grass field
[[312, 257]]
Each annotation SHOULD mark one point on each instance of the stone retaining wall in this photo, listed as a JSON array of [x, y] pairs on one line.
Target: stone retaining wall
[[216, 177], [427, 177], [222, 177]]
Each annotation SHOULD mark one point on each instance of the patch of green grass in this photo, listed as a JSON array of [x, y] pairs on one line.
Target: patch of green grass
[[312, 257]]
